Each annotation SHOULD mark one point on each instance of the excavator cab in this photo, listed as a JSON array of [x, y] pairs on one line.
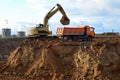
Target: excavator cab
[[39, 25]]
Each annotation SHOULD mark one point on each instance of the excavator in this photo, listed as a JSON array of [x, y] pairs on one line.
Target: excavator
[[42, 29]]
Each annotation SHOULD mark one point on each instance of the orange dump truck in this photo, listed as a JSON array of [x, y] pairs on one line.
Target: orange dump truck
[[84, 32]]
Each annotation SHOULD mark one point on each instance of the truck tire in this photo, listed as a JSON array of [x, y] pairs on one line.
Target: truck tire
[[89, 38]]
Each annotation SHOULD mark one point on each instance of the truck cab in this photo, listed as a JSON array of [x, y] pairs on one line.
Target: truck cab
[[89, 31]]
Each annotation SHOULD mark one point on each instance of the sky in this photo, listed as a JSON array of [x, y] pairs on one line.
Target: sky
[[20, 15]]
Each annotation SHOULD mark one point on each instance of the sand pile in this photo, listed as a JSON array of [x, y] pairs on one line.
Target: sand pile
[[65, 60]]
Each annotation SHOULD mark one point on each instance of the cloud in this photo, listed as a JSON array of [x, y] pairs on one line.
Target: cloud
[[26, 23], [111, 24], [86, 7], [40, 5], [91, 7]]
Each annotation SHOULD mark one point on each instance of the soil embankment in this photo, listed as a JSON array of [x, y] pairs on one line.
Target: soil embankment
[[64, 60], [7, 45]]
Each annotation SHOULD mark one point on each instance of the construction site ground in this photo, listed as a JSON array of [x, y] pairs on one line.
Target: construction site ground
[[56, 59]]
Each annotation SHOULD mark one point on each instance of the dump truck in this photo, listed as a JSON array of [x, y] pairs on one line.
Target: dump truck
[[75, 33]]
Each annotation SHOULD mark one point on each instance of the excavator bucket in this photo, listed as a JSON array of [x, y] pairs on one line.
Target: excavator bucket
[[64, 20]]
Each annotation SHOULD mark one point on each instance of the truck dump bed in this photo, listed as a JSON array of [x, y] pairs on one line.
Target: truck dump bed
[[70, 31]]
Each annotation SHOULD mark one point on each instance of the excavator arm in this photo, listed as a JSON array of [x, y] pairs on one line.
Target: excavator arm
[[64, 20]]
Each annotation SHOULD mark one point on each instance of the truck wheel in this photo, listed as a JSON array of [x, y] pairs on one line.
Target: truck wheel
[[89, 38]]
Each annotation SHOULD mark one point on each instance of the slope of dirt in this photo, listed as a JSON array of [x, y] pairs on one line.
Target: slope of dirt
[[7, 45], [65, 60]]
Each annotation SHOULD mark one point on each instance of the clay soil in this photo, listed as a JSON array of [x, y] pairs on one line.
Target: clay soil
[[36, 59]]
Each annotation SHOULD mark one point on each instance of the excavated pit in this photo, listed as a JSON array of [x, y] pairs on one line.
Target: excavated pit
[[56, 59]]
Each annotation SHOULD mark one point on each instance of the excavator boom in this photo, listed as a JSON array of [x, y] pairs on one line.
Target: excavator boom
[[64, 20]]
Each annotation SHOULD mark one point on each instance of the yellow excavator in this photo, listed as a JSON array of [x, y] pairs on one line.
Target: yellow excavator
[[42, 29]]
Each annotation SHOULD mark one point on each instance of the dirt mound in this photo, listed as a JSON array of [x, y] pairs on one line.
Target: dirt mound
[[8, 45], [65, 60]]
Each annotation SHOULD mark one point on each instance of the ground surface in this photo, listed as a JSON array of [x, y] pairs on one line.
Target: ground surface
[[7, 45], [35, 59]]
